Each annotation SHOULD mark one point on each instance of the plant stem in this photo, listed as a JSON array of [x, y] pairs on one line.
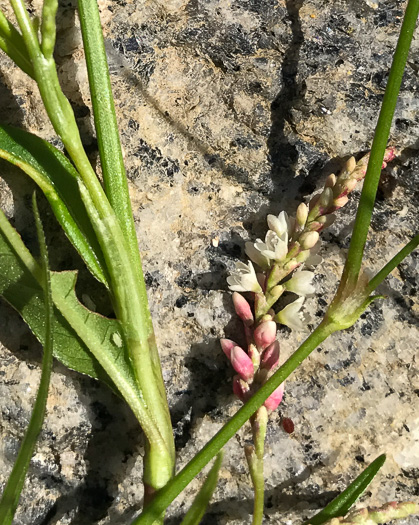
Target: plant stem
[[129, 292], [175, 486], [366, 205], [254, 456], [13, 488]]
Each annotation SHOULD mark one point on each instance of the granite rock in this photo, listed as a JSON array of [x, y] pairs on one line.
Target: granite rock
[[228, 110]]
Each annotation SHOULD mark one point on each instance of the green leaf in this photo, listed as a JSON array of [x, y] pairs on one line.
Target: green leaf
[[14, 485], [111, 158], [22, 291], [57, 178], [12, 43], [341, 505], [200, 503], [100, 340]]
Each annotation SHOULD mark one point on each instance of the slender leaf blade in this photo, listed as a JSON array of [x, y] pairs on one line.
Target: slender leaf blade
[[111, 158], [342, 503], [14, 485], [202, 499], [57, 178], [101, 337], [21, 289]]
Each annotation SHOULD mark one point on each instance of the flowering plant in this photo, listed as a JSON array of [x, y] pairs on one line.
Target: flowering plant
[[95, 213]]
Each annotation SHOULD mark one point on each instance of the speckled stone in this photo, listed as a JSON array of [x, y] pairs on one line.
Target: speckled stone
[[228, 110]]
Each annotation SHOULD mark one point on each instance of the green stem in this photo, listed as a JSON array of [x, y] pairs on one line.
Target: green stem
[[395, 261], [175, 486], [366, 205], [254, 456], [12, 491], [129, 292], [113, 170]]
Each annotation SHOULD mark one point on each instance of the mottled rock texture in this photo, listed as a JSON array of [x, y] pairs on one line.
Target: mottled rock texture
[[228, 110]]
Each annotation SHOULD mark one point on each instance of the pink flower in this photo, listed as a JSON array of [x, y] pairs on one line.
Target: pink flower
[[270, 356], [265, 334], [275, 398], [242, 363], [243, 309]]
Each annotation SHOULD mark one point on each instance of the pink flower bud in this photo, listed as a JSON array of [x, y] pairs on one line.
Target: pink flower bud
[[243, 309], [227, 345], [240, 388], [389, 155], [265, 334], [242, 363], [270, 357], [275, 398]]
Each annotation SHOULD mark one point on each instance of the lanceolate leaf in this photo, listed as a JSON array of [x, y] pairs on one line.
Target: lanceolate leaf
[[57, 178], [202, 499], [98, 337], [342, 503], [21, 290]]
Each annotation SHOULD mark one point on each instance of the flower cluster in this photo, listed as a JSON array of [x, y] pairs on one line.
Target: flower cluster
[[289, 245]]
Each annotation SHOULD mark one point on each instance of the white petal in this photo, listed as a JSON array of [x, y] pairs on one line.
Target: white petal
[[290, 317], [281, 250], [243, 279], [280, 224], [255, 255], [300, 283], [278, 246]]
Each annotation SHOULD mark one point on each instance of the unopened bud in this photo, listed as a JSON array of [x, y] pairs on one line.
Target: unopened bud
[[389, 155], [313, 201], [349, 186], [275, 398], [326, 198], [316, 226], [243, 309], [330, 181], [339, 202], [350, 165], [254, 356], [240, 388], [302, 214], [308, 240], [227, 345], [265, 334], [270, 357], [242, 363]]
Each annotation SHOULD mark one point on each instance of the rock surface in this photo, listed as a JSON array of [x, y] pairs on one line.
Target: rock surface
[[229, 110]]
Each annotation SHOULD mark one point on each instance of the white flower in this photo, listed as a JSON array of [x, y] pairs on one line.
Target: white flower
[[255, 255], [281, 224], [243, 279], [300, 283], [274, 247], [290, 315]]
